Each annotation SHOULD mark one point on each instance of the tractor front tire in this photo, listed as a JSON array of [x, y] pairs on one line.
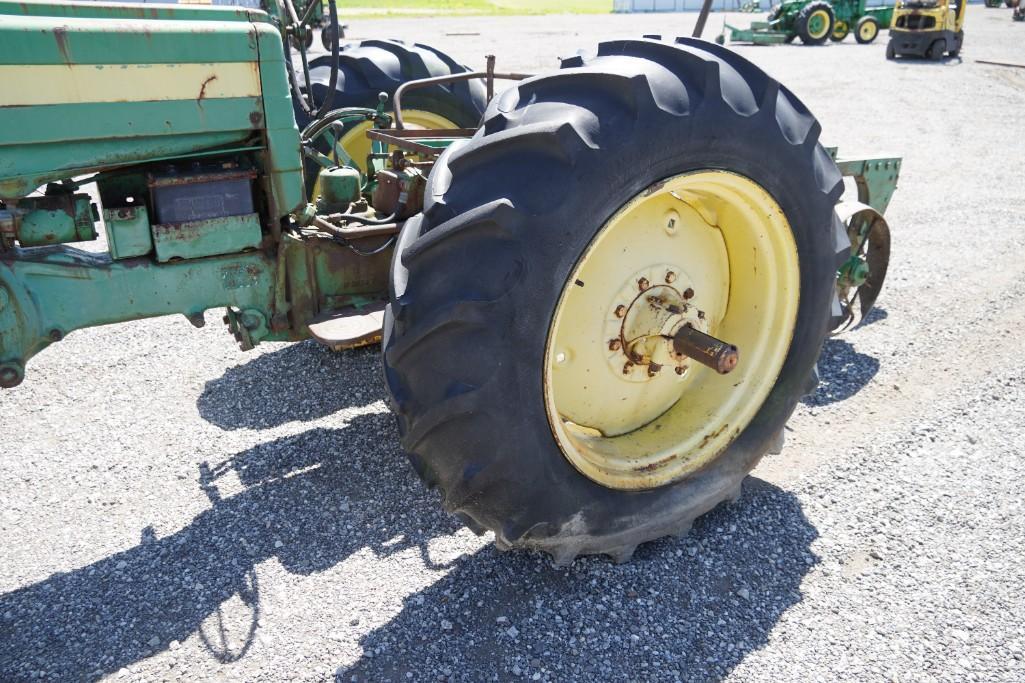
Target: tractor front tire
[[936, 50], [482, 287], [840, 31], [867, 30], [815, 22]]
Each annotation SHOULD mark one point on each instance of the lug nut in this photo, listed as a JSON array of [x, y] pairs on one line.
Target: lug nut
[[620, 311], [670, 277], [627, 367], [701, 315], [614, 345], [680, 369], [653, 369], [643, 283], [688, 293]]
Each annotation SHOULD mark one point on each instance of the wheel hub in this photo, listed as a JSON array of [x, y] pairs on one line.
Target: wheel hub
[[648, 310], [634, 374]]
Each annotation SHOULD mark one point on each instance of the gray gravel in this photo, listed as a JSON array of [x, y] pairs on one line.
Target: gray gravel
[[176, 510]]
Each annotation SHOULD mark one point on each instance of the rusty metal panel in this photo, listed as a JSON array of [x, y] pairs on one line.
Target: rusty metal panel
[[211, 237]]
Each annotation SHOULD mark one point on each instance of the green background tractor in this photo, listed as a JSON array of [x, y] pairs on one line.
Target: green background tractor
[[815, 22], [600, 296]]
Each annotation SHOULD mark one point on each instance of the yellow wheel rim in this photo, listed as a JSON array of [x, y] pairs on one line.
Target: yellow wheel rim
[[840, 29], [868, 30], [628, 412], [357, 145], [818, 24]]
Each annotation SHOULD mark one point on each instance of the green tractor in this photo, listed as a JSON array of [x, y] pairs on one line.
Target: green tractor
[[600, 292], [814, 22]]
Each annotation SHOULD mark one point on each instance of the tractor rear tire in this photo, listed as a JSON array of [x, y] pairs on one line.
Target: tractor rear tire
[[375, 66], [867, 30], [477, 280], [815, 22], [371, 67]]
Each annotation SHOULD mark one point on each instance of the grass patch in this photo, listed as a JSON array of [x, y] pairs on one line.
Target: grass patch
[[365, 8]]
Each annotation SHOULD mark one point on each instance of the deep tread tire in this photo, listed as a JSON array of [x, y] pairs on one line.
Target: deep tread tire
[[476, 279], [804, 14], [371, 67]]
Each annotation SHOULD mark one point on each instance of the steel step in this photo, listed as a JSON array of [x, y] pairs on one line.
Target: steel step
[[350, 327]]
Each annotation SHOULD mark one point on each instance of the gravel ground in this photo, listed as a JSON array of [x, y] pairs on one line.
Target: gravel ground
[[176, 510]]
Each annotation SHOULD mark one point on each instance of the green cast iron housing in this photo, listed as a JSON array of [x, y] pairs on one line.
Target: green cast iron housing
[[126, 96]]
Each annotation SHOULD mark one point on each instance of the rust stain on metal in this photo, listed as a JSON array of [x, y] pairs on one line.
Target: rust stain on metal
[[202, 88], [712, 435], [256, 118], [60, 34], [652, 466]]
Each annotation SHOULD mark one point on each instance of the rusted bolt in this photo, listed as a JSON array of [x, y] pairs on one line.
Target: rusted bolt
[[680, 369], [670, 277], [705, 349], [56, 335], [688, 293], [615, 345], [643, 283], [620, 311], [627, 367], [653, 369], [701, 315]]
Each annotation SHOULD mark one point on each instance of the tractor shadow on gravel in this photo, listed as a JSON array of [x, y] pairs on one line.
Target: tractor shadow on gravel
[[843, 371], [689, 609], [299, 382], [308, 501]]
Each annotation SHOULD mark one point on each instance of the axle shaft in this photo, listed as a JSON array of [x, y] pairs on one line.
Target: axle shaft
[[706, 349]]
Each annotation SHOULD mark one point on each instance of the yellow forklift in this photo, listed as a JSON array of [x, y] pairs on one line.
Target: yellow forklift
[[927, 28]]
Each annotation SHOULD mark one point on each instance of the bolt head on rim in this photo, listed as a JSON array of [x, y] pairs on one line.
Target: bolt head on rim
[[709, 249]]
